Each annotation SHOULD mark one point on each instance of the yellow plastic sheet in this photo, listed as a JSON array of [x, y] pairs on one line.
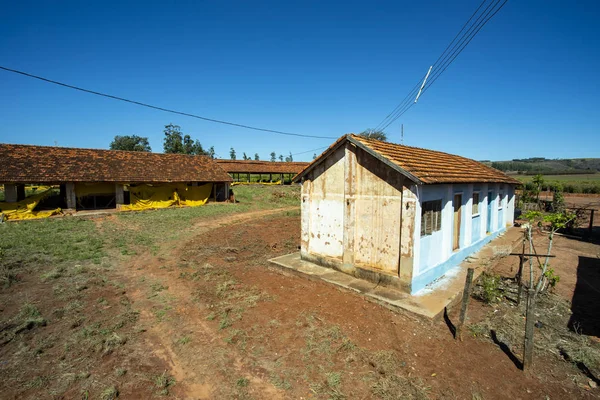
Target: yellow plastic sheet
[[145, 197], [256, 183], [194, 196], [24, 209]]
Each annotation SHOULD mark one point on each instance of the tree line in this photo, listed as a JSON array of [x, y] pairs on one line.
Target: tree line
[[175, 141]]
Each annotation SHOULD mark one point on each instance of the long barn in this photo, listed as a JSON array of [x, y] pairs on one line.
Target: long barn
[[93, 179], [241, 170]]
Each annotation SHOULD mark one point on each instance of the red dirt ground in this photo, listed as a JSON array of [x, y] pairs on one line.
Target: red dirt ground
[[427, 350], [225, 324]]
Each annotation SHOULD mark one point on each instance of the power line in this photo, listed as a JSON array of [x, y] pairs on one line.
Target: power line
[[481, 25], [452, 51], [310, 151], [406, 104], [161, 108]]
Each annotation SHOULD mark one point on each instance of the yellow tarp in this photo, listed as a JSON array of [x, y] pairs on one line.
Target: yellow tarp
[[146, 197], [24, 209], [256, 183]]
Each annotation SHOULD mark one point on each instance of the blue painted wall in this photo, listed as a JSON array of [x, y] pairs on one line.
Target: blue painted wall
[[430, 253], [476, 228], [434, 259]]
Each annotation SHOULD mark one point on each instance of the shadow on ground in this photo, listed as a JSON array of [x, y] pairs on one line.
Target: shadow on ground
[[586, 298]]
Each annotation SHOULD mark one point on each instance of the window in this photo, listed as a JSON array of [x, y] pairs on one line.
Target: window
[[475, 210], [431, 217], [500, 198]]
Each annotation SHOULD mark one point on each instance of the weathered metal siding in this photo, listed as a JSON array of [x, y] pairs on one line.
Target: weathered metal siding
[[324, 213], [407, 232], [378, 206]]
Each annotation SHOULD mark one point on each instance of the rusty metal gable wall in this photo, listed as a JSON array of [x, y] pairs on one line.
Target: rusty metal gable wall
[[323, 208], [378, 206]]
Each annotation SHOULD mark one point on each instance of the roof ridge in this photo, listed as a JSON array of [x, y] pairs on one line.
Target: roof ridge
[[410, 147], [95, 149]]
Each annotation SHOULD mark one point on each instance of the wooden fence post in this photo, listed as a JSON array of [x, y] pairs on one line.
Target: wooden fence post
[[529, 325], [520, 274], [465, 302]]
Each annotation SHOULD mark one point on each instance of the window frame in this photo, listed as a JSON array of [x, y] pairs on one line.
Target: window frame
[[478, 213], [436, 206]]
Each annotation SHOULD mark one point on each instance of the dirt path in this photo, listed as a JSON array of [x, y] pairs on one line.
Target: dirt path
[[228, 327], [159, 289]]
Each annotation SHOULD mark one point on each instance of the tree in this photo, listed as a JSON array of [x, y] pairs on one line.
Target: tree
[[289, 158], [373, 134], [211, 152], [192, 147], [232, 153], [245, 157], [538, 181], [256, 157], [273, 156], [130, 143], [176, 142], [314, 156], [173, 142], [281, 157]]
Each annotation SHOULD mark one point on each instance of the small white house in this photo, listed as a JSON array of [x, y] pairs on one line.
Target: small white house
[[399, 215]]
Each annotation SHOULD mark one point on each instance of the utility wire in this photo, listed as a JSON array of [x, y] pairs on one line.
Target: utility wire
[[409, 96], [310, 151], [467, 43], [161, 108], [447, 57], [407, 104]]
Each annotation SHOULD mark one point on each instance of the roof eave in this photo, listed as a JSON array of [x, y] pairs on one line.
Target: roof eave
[[385, 160]]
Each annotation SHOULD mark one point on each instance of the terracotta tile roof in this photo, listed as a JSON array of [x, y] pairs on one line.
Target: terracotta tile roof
[[265, 167], [422, 165], [41, 164]]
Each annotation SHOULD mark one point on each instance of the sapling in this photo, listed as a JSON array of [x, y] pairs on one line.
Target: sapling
[[555, 221]]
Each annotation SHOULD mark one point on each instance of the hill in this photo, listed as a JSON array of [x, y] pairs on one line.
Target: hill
[[541, 165]]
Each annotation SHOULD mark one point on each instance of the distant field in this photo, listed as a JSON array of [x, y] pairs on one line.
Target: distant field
[[578, 183], [562, 178]]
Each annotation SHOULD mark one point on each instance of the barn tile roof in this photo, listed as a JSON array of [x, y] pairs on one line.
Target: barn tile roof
[[421, 165], [42, 164], [265, 167]]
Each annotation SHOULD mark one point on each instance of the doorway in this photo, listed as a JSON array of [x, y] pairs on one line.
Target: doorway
[[457, 218]]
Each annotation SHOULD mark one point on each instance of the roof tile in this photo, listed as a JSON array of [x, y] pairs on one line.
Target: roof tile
[[44, 164]]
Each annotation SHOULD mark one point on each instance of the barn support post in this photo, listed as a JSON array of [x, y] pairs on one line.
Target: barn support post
[[119, 195], [281, 181], [10, 193], [248, 177], [270, 177], [71, 198]]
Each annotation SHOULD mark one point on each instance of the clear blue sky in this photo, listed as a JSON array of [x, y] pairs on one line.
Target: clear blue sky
[[527, 85]]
